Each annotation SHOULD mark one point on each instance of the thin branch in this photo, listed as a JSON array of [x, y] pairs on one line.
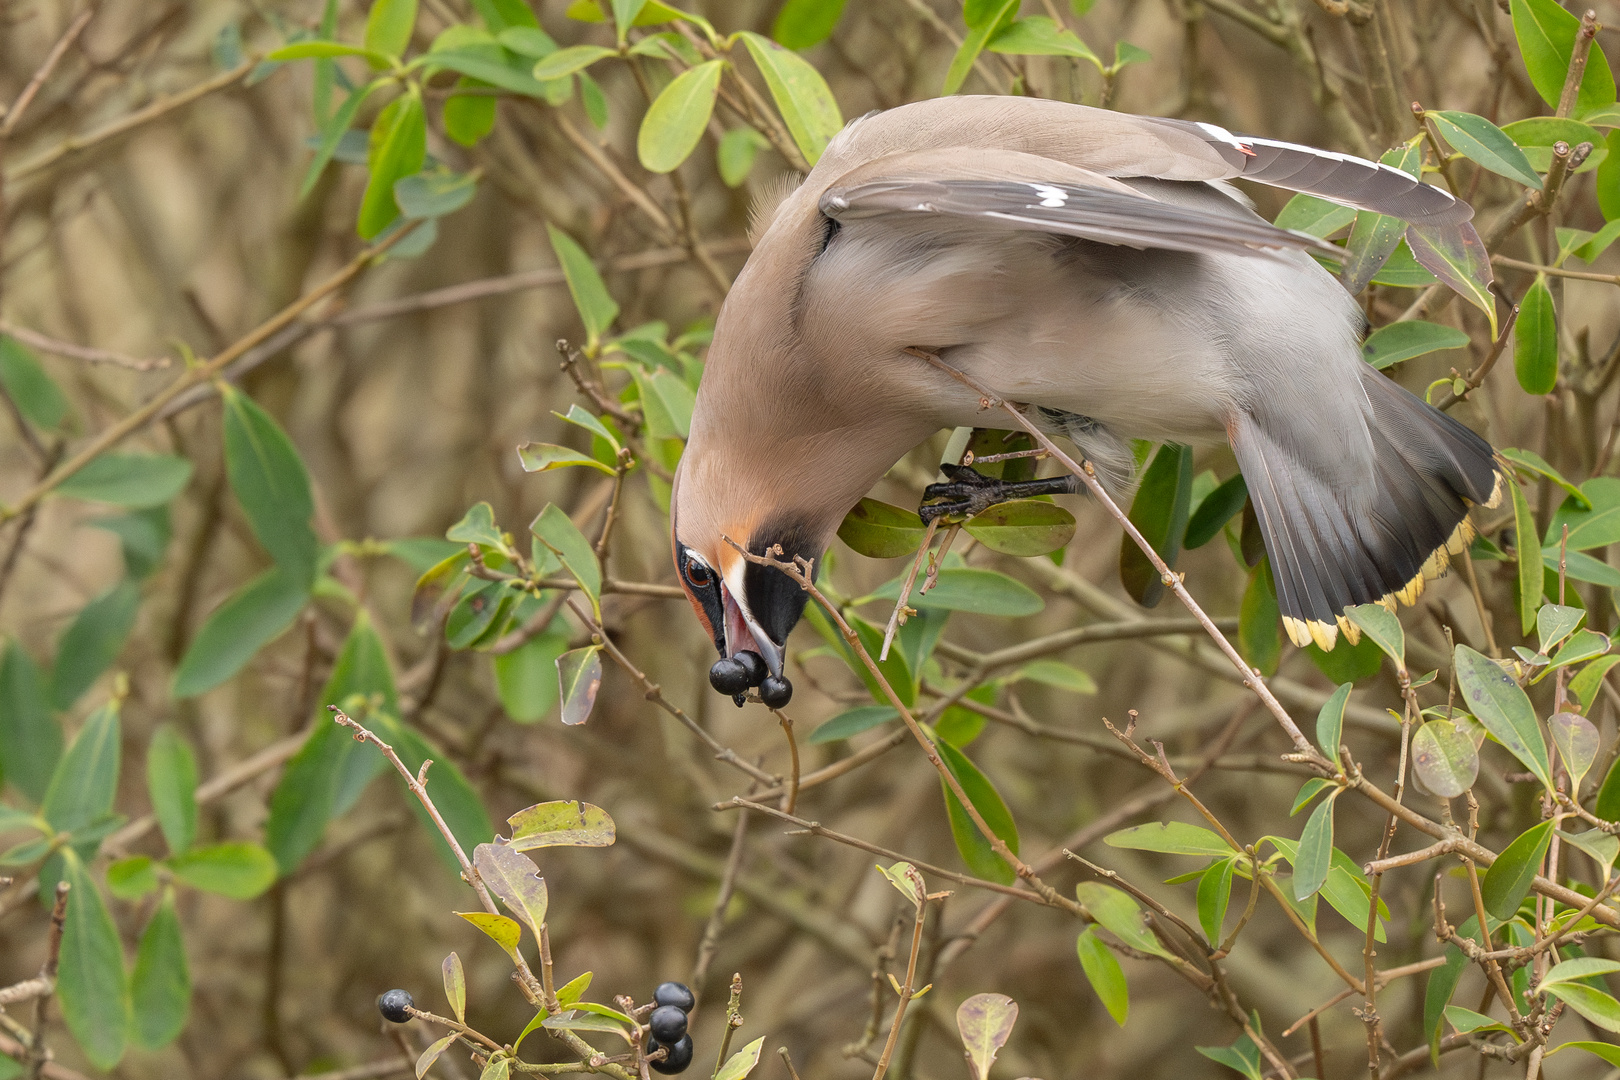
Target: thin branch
[[87, 353], [14, 114]]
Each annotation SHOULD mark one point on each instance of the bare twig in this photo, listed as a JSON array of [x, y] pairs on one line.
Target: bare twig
[[14, 114]]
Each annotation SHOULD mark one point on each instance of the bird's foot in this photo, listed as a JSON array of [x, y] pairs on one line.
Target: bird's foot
[[969, 492]]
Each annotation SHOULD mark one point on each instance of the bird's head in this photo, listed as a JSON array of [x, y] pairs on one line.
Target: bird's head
[[747, 607]]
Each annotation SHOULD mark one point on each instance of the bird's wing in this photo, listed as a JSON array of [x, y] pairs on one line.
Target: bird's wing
[[1048, 197], [1122, 145]]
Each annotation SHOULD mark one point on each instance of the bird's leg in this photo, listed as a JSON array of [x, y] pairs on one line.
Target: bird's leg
[[969, 492]]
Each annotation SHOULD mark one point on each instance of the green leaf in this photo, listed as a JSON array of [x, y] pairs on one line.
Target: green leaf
[[1022, 527], [1038, 35], [90, 979], [1383, 628], [1404, 340], [1490, 693], [579, 677], [132, 878], [1159, 513], [36, 396], [1104, 974], [143, 537], [982, 26], [30, 739], [802, 24], [93, 641], [1056, 673], [1444, 758], [975, 850], [526, 679], [160, 989], [740, 1064], [1314, 217], [332, 132], [133, 480], [455, 988], [389, 26], [853, 722], [969, 589], [1584, 686], [1374, 237], [457, 800], [1216, 509], [237, 870], [397, 148], [1598, 526], [1242, 1056], [1259, 620], [1170, 837], [596, 308], [1546, 34], [1508, 881], [1116, 912], [1535, 340], [1315, 851], [1214, 895], [1455, 255], [735, 155], [503, 931], [434, 193], [425, 1060], [562, 823], [676, 119], [86, 779], [800, 93], [1467, 1021], [270, 482], [554, 529], [1599, 846], [171, 784], [896, 668], [1577, 741], [1581, 967], [324, 50], [1607, 1051], [493, 66], [1596, 1006], [1330, 723], [666, 403], [249, 619], [881, 531], [1583, 645], [565, 62], [1485, 144], [530, 41], [1437, 995], [513, 878], [1533, 462], [468, 118], [1309, 790], [1346, 888], [1528, 550], [544, 457]]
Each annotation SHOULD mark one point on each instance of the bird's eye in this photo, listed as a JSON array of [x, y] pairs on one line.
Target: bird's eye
[[697, 574]]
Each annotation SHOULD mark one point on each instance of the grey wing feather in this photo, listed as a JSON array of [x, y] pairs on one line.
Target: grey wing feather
[[1099, 214], [1353, 181]]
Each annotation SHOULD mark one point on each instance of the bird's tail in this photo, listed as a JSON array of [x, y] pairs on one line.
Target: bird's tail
[[1338, 541]]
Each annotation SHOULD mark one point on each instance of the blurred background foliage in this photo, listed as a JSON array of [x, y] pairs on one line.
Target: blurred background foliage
[[238, 434]]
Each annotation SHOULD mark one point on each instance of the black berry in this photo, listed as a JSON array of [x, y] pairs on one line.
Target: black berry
[[739, 700], [755, 664], [776, 691], [729, 676], [680, 1055], [396, 1005], [667, 1024], [676, 994]]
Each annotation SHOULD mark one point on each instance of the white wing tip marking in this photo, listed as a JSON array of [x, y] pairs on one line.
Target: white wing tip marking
[[1050, 196]]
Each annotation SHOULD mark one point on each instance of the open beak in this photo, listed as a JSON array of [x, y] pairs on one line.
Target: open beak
[[743, 633]]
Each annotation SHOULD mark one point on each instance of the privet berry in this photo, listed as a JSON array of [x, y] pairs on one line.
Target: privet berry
[[676, 994], [754, 664], [680, 1055], [396, 1005], [776, 691], [667, 1024], [729, 676]]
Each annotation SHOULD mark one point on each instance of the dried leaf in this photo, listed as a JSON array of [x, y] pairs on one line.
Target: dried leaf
[[512, 877]]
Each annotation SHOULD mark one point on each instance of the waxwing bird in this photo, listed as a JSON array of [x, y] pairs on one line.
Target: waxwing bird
[[1091, 265]]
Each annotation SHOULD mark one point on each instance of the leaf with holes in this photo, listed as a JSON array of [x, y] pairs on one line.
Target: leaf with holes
[[513, 878]]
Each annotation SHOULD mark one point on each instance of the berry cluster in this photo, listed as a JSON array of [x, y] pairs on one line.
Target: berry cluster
[[671, 1001], [735, 675]]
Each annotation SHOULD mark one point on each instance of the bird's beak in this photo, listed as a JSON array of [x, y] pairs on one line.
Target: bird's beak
[[743, 633]]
